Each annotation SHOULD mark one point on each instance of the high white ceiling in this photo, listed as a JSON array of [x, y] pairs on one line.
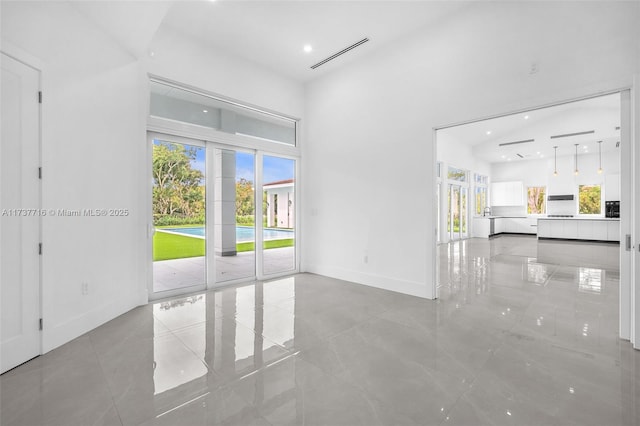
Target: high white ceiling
[[600, 115], [271, 33]]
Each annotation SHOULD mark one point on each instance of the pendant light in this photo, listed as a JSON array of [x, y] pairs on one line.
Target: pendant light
[[600, 156], [575, 172], [555, 160]]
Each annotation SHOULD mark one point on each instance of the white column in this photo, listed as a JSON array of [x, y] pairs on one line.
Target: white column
[[225, 203]]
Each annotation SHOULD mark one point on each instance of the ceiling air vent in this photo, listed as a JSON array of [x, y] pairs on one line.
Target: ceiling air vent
[[342, 52], [566, 135], [516, 142]]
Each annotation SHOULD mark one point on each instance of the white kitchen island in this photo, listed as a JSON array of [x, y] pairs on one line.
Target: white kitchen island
[[579, 228]]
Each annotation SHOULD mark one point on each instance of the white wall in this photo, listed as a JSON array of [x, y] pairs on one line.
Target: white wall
[[369, 154], [94, 152], [458, 154], [183, 59]]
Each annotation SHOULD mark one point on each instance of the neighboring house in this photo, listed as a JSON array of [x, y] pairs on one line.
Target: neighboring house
[[280, 203]]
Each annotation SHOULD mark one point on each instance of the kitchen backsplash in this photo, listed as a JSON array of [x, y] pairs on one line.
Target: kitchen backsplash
[[509, 211], [564, 207]]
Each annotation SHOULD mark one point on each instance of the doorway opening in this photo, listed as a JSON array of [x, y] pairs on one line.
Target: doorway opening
[[558, 151], [208, 229]]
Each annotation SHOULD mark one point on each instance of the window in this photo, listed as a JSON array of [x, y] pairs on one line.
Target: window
[[481, 182], [181, 104], [589, 199], [457, 174], [481, 179], [536, 200], [481, 199]]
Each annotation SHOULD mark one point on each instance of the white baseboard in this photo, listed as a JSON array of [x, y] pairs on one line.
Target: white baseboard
[[413, 288]]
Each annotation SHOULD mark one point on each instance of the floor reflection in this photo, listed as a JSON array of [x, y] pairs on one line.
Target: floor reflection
[[523, 332]]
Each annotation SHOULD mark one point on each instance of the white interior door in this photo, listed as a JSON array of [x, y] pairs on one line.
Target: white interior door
[[20, 223]]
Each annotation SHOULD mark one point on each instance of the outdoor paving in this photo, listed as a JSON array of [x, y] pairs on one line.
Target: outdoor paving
[[181, 273]]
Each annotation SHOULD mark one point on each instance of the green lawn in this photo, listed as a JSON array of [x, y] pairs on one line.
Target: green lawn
[[170, 246]]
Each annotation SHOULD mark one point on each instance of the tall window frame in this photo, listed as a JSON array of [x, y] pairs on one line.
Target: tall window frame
[[481, 193], [536, 200], [458, 185], [175, 130], [590, 200]]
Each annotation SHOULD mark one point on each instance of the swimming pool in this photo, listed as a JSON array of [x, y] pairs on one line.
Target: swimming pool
[[243, 233]]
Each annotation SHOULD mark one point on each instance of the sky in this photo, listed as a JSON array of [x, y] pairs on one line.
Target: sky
[[274, 168]]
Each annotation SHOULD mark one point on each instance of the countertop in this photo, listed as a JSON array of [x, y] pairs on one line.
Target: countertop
[[613, 219], [500, 217], [609, 219]]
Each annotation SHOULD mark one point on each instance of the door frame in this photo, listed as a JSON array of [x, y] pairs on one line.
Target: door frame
[[629, 318], [210, 144], [151, 136], [19, 55]]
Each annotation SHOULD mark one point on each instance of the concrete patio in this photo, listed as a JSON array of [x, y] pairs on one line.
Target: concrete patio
[[181, 273]]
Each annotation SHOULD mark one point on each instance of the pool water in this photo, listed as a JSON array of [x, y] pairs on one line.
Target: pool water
[[243, 233]]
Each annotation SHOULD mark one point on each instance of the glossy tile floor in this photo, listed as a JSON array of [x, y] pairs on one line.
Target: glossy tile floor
[[524, 333]]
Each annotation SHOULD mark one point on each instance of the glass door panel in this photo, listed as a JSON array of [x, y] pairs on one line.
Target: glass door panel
[[278, 214], [455, 212], [449, 211], [438, 212], [179, 212], [463, 212], [234, 215]]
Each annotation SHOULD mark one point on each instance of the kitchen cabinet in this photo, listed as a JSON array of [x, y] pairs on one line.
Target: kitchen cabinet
[[481, 227], [612, 187], [507, 193], [498, 226], [579, 229], [544, 228], [514, 225], [550, 228], [613, 230]]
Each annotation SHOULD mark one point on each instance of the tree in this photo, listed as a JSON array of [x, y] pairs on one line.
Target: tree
[[244, 198], [590, 199], [177, 187], [535, 200]]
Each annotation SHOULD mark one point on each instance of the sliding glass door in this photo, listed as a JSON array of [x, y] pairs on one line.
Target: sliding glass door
[[234, 215], [208, 228], [457, 217], [179, 196], [278, 215]]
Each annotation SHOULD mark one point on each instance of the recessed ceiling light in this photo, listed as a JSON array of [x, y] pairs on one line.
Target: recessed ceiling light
[[585, 147], [488, 132], [526, 117], [538, 152], [504, 156], [204, 110], [307, 48]]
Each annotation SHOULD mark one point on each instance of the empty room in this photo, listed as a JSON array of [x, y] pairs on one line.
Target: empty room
[[320, 213]]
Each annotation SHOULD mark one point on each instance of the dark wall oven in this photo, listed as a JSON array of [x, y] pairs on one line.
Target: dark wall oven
[[612, 208]]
